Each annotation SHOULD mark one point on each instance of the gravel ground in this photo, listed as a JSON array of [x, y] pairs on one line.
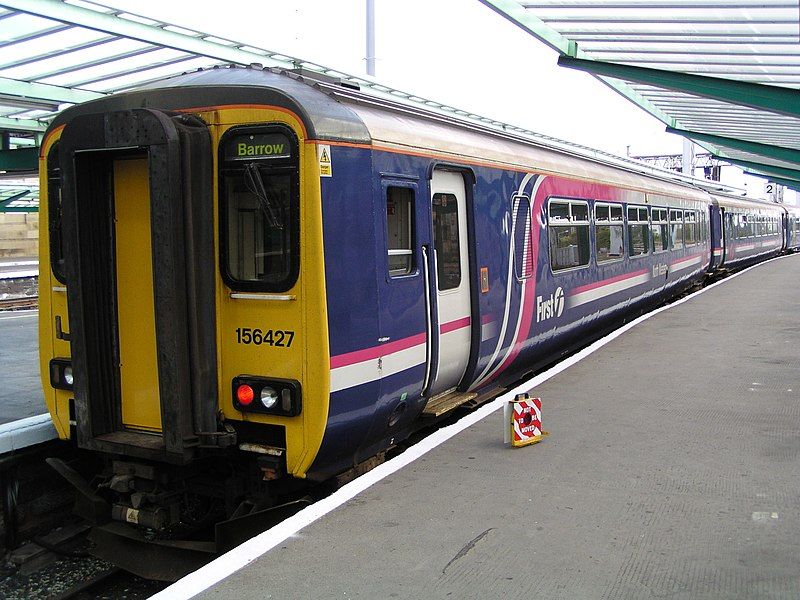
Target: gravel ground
[[19, 287], [58, 577]]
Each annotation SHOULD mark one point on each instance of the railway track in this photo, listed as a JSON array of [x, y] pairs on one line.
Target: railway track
[[21, 303], [87, 586]]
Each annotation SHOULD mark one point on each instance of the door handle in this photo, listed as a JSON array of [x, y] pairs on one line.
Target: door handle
[[60, 333], [428, 316]]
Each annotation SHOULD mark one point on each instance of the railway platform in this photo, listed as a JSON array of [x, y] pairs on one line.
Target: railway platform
[[20, 383], [11, 268], [21, 389], [670, 471]]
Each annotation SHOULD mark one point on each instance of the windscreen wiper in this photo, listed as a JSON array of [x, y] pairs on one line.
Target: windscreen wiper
[[254, 182]]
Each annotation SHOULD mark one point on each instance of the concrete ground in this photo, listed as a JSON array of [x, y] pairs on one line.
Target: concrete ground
[[671, 471], [19, 267], [20, 384]]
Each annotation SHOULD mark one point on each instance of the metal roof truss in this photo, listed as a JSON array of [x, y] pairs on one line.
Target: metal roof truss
[[726, 75]]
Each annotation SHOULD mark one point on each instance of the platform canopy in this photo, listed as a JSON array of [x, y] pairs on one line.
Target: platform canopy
[[19, 197], [723, 74], [54, 53]]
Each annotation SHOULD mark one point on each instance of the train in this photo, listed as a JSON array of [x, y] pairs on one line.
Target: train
[[253, 280]]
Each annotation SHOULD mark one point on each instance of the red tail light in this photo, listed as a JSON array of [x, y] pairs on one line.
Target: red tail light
[[244, 394]]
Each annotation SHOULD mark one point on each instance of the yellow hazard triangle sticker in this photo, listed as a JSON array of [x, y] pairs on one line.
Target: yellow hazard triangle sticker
[[325, 163]]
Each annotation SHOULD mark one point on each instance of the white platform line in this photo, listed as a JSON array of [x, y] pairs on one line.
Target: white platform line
[[19, 274], [242, 555], [19, 263], [26, 432], [19, 314]]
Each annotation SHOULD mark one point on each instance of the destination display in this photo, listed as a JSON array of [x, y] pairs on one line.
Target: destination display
[[251, 146]]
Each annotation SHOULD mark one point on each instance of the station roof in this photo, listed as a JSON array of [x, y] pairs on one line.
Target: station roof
[[60, 52], [19, 197], [56, 53], [724, 74]]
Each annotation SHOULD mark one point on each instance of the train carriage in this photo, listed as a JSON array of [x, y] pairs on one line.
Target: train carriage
[[751, 230], [791, 225], [258, 277]]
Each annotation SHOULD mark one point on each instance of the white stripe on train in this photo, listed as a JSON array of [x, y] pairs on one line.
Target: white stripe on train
[[488, 371]]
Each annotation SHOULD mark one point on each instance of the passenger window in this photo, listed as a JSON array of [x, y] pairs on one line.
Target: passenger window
[[660, 229], [746, 226], [608, 232], [568, 229], [446, 241], [259, 196], [703, 226], [690, 227], [638, 230], [399, 233], [54, 213], [559, 212], [676, 228], [523, 251]]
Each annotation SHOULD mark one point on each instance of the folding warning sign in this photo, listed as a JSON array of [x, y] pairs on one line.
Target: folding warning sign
[[524, 419]]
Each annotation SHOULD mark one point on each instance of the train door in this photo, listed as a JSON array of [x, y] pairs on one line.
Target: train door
[[141, 296], [138, 365], [784, 223], [451, 276], [725, 224]]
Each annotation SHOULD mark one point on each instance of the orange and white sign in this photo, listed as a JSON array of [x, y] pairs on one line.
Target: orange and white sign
[[524, 418]]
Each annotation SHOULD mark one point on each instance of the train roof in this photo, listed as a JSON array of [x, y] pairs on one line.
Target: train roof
[[729, 201], [404, 131], [323, 117], [337, 111]]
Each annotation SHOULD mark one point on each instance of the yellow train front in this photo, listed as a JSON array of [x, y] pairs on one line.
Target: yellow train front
[[183, 333]]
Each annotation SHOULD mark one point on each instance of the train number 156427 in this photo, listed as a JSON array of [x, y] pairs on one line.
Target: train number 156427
[[265, 337]]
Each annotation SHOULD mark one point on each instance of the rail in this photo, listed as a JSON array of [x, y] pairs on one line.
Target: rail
[[23, 303]]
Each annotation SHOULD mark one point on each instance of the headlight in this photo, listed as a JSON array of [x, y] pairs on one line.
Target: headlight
[[61, 376], [268, 396]]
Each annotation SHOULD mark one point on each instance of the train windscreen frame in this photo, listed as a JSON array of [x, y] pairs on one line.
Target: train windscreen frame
[[259, 208]]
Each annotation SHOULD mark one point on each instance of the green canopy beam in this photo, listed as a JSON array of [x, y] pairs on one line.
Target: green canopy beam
[[789, 183], [755, 95], [11, 124], [522, 18], [4, 204], [43, 92], [766, 150], [767, 170], [109, 23], [21, 160]]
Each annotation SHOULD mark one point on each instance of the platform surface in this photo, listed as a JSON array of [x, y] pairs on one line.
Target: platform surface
[[18, 267], [20, 383], [671, 470]]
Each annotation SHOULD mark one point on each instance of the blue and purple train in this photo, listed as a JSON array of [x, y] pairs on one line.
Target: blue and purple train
[[252, 278]]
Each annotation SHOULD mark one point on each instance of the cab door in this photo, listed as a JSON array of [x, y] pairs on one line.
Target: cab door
[[138, 362], [451, 275]]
